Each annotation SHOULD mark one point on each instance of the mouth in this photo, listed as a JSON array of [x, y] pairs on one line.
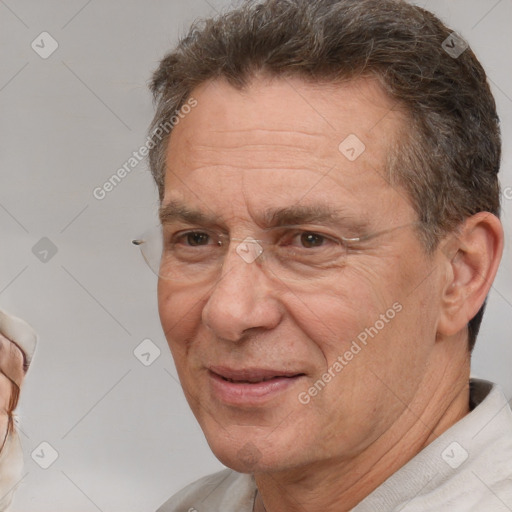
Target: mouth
[[250, 386], [255, 380], [252, 375]]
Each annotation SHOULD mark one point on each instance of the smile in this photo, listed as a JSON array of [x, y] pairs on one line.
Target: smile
[[250, 387]]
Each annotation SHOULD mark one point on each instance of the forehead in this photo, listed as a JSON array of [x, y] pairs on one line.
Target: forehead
[[328, 110], [284, 134]]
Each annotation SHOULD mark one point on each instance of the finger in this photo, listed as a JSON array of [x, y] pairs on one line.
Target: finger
[[11, 361]]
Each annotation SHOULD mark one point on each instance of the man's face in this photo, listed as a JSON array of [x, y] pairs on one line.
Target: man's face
[[274, 147]]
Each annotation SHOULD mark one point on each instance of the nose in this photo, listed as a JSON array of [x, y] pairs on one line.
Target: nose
[[242, 299]]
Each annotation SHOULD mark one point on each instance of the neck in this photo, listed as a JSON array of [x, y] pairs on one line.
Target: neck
[[339, 484]]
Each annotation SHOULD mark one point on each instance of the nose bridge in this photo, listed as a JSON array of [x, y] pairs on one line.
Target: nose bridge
[[248, 249], [239, 275], [241, 299]]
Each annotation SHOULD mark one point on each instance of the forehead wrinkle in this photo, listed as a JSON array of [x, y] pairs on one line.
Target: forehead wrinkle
[[283, 145], [255, 145], [259, 155], [270, 133]]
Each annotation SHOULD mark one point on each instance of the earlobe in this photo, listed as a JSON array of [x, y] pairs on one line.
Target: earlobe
[[472, 258]]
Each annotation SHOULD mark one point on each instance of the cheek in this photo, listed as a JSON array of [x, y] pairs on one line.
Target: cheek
[[377, 321], [332, 315], [180, 313]]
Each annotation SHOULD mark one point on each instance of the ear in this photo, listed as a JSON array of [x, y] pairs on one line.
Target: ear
[[473, 256]]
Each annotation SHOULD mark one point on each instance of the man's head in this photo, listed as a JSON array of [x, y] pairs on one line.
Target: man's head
[[363, 158], [446, 157]]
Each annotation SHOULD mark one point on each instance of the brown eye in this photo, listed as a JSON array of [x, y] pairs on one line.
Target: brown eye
[[310, 240], [197, 238]]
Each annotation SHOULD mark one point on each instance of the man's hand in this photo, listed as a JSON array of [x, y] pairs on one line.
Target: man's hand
[[17, 343], [11, 377]]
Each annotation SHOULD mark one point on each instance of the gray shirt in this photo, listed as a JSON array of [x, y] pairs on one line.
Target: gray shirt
[[468, 468]]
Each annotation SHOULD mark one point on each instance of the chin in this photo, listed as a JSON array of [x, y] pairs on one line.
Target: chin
[[246, 453], [248, 459]]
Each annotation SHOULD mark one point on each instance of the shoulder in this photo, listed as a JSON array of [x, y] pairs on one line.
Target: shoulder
[[226, 491], [467, 468], [475, 456]]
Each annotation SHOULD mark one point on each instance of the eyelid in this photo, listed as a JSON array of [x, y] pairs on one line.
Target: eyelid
[[323, 231], [278, 231], [178, 226], [180, 236], [327, 237]]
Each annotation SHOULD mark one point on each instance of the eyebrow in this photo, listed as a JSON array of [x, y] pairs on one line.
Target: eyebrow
[[176, 211], [300, 214]]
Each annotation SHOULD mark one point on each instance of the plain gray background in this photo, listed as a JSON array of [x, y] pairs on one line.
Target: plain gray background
[[123, 432]]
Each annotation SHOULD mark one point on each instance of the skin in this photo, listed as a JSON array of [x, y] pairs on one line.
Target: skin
[[5, 393], [11, 368], [12, 372], [275, 145]]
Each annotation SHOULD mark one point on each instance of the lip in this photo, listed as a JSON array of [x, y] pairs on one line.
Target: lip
[[250, 386]]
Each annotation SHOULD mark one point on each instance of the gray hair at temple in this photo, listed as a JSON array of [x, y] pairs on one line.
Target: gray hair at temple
[[447, 156]]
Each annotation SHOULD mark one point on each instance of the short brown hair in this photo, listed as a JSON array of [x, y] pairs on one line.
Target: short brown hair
[[447, 162]]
